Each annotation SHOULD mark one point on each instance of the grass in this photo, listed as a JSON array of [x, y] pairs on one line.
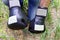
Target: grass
[[4, 16]]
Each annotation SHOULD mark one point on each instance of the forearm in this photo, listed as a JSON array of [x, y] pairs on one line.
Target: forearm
[[44, 3]]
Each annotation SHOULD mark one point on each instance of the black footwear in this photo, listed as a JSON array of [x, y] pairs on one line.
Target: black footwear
[[37, 25]]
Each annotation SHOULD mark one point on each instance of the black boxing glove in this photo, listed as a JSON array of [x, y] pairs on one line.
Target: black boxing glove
[[17, 19], [37, 25]]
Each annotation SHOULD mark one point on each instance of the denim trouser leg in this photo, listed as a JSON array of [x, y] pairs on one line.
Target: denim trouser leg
[[7, 3], [32, 8]]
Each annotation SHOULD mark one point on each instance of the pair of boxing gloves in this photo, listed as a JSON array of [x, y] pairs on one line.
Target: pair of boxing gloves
[[18, 20]]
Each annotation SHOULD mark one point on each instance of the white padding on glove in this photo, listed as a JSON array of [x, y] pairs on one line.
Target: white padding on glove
[[39, 27], [12, 19], [41, 12], [13, 3]]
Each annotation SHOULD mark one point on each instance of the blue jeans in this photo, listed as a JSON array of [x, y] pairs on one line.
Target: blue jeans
[[32, 8]]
